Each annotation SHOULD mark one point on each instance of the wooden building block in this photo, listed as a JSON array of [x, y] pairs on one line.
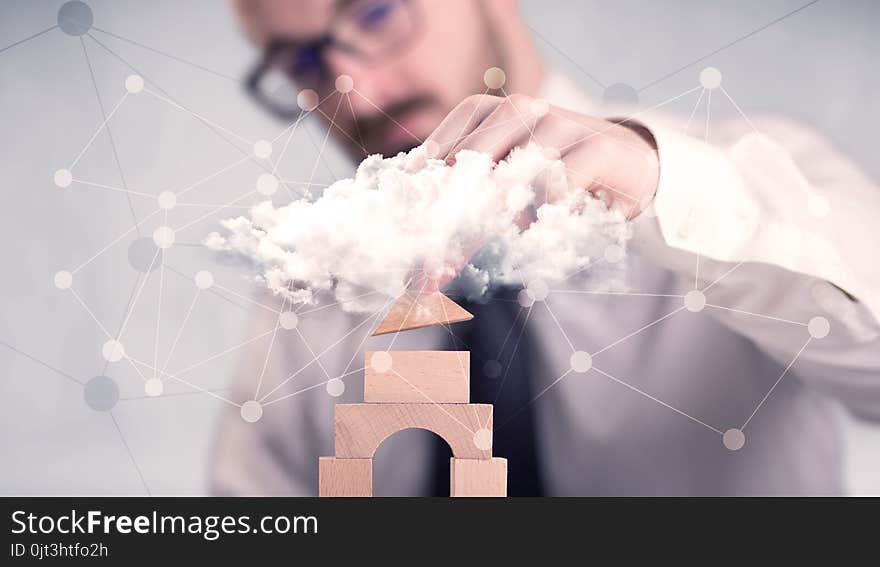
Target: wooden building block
[[361, 428], [418, 376], [478, 477], [345, 477], [414, 311]]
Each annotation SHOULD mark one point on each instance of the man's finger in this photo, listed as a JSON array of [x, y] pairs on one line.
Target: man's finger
[[463, 119], [502, 130]]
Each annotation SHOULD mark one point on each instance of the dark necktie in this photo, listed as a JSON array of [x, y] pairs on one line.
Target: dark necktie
[[501, 375]]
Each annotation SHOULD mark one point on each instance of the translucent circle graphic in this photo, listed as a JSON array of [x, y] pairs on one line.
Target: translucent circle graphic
[[819, 327], [494, 77], [734, 439], [581, 361], [134, 84], [288, 320], [694, 300], [483, 439], [75, 18], [251, 411], [113, 351], [142, 255], [344, 83], [154, 387], [335, 387], [710, 78], [101, 393], [63, 279], [381, 361]]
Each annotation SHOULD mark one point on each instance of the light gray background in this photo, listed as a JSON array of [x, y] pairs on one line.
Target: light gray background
[[818, 65]]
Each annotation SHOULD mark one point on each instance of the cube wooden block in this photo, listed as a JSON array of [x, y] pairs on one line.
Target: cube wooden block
[[478, 477], [361, 428], [418, 376], [345, 477]]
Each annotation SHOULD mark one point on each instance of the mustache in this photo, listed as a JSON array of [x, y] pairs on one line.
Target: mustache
[[379, 122]]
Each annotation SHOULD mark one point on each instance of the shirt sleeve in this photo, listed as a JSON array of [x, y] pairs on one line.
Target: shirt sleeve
[[774, 230]]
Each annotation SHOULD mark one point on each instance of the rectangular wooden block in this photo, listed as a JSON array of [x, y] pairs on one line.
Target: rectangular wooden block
[[361, 428], [345, 477], [478, 477], [418, 376]]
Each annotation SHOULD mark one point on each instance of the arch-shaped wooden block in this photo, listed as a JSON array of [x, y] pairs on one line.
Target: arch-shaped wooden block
[[361, 428]]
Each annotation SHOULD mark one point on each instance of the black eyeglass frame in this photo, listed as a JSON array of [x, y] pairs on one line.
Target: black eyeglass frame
[[275, 46]]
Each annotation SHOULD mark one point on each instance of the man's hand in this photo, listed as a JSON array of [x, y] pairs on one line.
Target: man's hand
[[618, 163]]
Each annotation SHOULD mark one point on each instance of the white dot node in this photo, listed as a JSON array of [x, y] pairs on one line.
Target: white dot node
[[113, 351], [525, 298], [307, 99], [263, 149], [204, 279], [167, 200], [154, 387], [581, 361], [163, 237], [134, 84], [381, 361], [694, 301], [818, 206], [63, 178], [710, 78], [344, 83], [432, 149], [251, 411], [538, 290], [288, 320], [267, 184], [483, 439], [494, 78], [539, 107], [335, 387], [614, 253], [734, 439], [819, 327], [492, 369], [63, 279]]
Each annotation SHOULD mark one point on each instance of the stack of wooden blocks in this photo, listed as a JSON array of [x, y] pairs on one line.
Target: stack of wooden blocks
[[415, 389]]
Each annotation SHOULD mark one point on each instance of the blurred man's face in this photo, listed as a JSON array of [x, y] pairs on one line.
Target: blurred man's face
[[406, 88]]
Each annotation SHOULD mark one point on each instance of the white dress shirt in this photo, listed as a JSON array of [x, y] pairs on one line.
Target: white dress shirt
[[767, 219]]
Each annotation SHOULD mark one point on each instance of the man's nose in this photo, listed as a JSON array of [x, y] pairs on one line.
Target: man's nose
[[372, 81]]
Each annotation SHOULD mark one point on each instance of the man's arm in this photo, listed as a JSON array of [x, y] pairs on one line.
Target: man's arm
[[775, 229]]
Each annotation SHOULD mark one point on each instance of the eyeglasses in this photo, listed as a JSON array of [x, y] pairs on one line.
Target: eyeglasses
[[365, 29]]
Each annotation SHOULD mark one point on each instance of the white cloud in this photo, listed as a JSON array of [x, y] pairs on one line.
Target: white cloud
[[407, 216]]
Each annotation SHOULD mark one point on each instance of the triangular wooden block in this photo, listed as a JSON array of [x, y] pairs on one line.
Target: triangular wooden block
[[421, 310]]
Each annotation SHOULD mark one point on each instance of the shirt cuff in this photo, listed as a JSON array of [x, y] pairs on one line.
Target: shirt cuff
[[701, 205]]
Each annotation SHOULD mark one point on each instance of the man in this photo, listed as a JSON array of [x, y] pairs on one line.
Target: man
[[749, 309]]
